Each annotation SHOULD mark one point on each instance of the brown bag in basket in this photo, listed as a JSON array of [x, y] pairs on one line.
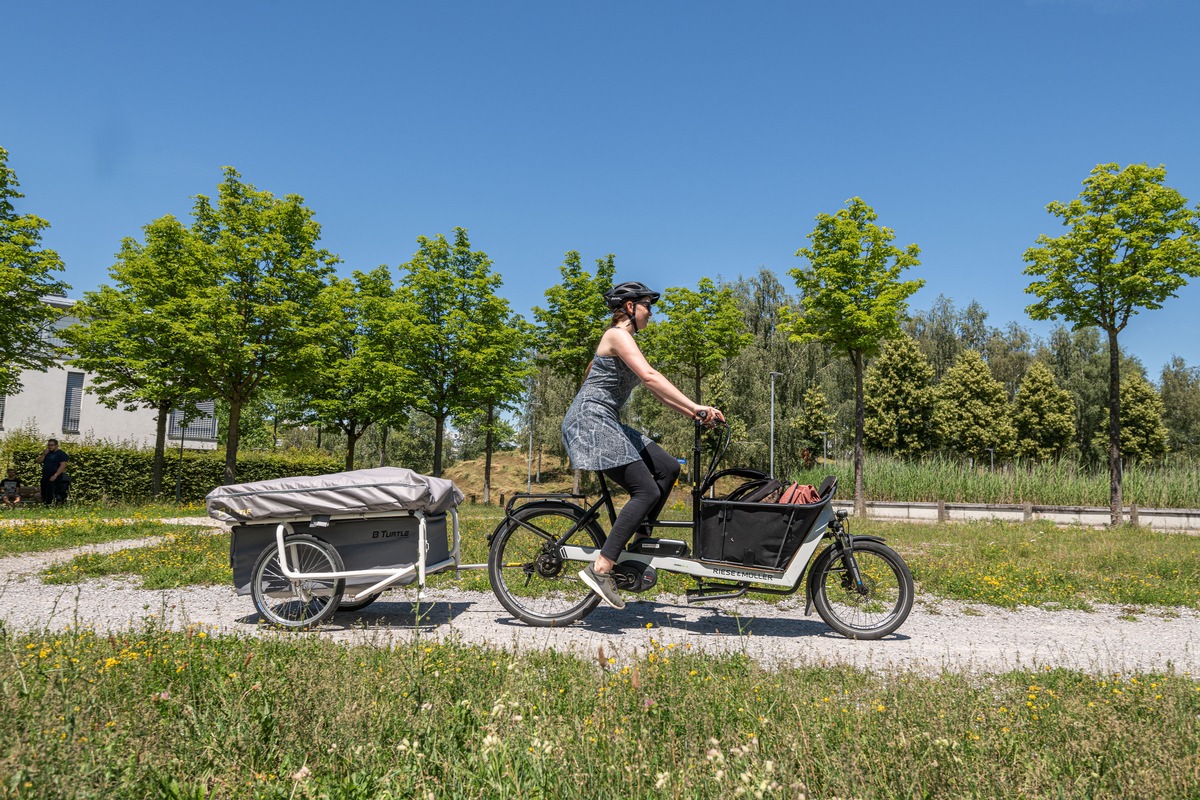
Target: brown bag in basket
[[799, 494]]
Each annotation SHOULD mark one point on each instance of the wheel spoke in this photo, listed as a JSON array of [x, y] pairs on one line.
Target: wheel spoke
[[550, 591]]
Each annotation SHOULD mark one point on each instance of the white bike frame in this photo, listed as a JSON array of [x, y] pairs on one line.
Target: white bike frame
[[389, 576], [786, 579]]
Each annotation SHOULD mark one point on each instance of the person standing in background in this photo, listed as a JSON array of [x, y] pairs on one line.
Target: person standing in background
[[54, 473]]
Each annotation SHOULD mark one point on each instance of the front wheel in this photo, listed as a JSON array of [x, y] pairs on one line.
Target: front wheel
[[870, 611], [531, 580], [297, 602]]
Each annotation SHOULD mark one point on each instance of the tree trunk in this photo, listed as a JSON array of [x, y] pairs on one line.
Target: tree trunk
[[351, 441], [231, 441], [439, 434], [697, 379], [1116, 503], [860, 499], [487, 459], [383, 437], [160, 449]]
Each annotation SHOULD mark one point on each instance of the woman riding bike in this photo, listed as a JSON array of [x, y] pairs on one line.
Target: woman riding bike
[[596, 440]]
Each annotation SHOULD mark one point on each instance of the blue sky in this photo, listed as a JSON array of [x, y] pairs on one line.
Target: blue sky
[[689, 138]]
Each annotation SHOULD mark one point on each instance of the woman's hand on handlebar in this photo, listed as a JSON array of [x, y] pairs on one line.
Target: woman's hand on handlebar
[[709, 416]]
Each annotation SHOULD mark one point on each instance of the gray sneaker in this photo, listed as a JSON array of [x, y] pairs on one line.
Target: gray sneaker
[[603, 585]]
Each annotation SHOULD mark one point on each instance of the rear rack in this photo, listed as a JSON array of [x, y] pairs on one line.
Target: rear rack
[[542, 496]]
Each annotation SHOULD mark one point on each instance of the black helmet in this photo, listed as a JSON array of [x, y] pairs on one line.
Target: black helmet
[[630, 290]]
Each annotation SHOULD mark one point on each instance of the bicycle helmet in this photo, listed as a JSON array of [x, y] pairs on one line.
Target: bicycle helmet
[[629, 290]]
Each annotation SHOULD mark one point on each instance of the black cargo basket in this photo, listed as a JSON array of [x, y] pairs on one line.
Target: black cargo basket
[[762, 535]]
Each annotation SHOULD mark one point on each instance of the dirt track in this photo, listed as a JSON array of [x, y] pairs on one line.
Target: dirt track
[[938, 636]]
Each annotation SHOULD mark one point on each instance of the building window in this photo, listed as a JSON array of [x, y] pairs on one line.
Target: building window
[[73, 402], [202, 427]]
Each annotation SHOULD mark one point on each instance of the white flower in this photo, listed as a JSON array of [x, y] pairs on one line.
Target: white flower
[[302, 773], [661, 779]]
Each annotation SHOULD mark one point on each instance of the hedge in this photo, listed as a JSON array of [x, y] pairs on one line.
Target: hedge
[[101, 473]]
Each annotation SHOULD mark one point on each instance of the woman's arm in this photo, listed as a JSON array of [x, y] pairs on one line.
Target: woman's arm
[[619, 342]]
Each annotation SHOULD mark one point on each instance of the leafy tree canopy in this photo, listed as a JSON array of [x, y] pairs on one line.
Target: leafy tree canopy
[[1181, 403], [900, 401], [698, 331], [575, 316], [1044, 415], [25, 277], [973, 412]]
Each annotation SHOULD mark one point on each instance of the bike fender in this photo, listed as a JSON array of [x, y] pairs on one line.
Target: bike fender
[[535, 504]]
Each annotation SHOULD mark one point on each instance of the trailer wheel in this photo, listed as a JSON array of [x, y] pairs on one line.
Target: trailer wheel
[[297, 603]]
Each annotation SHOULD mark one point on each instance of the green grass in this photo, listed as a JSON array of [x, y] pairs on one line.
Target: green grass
[[155, 714], [96, 511], [1176, 485], [55, 534], [185, 557], [1006, 564]]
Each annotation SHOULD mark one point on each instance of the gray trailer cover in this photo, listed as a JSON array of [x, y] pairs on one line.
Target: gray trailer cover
[[362, 491]]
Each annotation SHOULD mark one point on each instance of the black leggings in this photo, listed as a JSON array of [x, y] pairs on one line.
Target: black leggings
[[649, 483]]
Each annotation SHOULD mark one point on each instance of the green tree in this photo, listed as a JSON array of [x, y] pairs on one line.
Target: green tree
[[1009, 353], [1181, 403], [454, 331], [568, 330], [1143, 434], [943, 331], [814, 422], [25, 277], [240, 315], [575, 316], [1131, 243], [1044, 415], [501, 368], [699, 331], [355, 382], [852, 297], [973, 413], [124, 340], [900, 401]]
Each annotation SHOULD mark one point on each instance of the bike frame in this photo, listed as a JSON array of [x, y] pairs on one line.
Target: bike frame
[[388, 577], [769, 581]]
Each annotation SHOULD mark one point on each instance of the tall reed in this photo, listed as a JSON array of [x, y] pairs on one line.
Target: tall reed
[[1061, 483]]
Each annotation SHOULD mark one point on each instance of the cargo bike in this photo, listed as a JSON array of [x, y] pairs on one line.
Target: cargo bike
[[859, 586], [305, 548]]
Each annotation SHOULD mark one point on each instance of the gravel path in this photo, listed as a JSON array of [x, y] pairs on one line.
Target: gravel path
[[937, 636]]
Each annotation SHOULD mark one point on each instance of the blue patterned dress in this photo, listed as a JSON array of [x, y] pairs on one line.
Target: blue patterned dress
[[592, 431]]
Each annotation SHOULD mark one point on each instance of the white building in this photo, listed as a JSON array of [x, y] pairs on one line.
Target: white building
[[56, 403]]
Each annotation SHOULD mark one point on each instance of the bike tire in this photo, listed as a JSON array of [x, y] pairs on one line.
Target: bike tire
[[529, 578], [357, 605], [889, 591], [300, 603]]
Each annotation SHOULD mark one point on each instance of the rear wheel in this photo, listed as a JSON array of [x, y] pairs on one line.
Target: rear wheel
[[531, 580], [873, 610], [297, 602]]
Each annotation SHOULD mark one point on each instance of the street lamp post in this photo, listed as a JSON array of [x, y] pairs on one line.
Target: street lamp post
[[773, 375]]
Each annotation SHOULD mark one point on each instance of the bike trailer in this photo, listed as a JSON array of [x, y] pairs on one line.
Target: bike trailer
[[382, 522]]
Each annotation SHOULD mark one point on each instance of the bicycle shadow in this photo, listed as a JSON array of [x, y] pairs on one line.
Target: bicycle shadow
[[387, 615], [712, 621]]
